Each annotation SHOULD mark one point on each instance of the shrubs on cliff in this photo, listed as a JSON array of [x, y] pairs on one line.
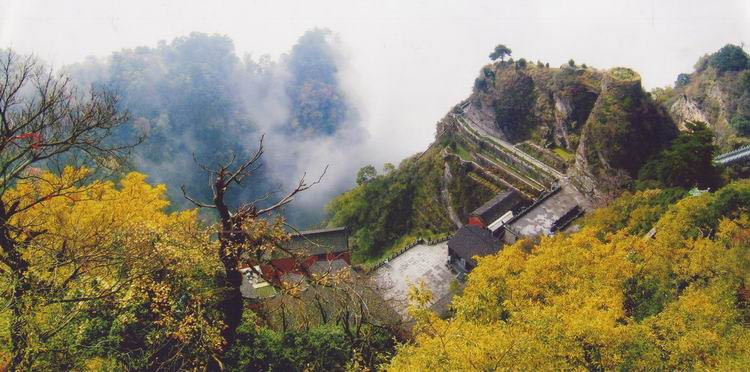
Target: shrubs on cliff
[[729, 58], [625, 127], [513, 104], [687, 162], [605, 298], [386, 207], [741, 124]]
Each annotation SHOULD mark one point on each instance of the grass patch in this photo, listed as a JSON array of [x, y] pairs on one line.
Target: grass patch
[[463, 153], [564, 154]]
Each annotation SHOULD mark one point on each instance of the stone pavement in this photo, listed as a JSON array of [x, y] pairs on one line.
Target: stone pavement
[[540, 219], [426, 263]]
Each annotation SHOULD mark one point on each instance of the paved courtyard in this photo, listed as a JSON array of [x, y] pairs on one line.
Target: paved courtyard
[[421, 263], [540, 219]]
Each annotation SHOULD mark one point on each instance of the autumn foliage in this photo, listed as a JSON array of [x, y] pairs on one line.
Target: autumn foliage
[[110, 257], [606, 297]]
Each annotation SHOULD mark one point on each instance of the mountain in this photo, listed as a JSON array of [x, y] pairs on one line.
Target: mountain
[[604, 117], [716, 92], [526, 127], [194, 99]]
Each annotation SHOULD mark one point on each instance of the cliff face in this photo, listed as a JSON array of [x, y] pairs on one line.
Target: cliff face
[[624, 130], [718, 97], [542, 104], [604, 117]]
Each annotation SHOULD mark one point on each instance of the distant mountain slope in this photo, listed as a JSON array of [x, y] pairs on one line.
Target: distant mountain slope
[[716, 92], [194, 97]]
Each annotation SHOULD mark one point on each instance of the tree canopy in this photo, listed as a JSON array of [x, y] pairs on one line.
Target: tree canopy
[[687, 162], [729, 58], [501, 51]]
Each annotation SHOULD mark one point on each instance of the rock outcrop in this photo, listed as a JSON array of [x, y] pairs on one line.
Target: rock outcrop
[[604, 117]]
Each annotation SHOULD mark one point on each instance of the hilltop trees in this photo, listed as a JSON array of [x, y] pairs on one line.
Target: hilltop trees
[[366, 174], [501, 51], [682, 79], [729, 58], [196, 95]]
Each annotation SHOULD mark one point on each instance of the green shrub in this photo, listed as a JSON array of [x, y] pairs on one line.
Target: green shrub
[[741, 124], [729, 58]]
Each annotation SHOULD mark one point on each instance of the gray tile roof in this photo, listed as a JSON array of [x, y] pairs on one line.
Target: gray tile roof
[[497, 206], [470, 241]]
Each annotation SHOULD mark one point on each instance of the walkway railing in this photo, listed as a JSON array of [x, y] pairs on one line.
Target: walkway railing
[[733, 155], [407, 247]]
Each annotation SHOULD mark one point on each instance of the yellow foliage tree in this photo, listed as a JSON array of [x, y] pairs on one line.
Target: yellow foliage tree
[[606, 297], [113, 246]]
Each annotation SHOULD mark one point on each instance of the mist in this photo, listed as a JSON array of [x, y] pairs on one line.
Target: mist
[[198, 103]]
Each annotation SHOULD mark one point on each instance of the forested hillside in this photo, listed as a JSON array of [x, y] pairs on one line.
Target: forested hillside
[[194, 99], [384, 212], [607, 297]]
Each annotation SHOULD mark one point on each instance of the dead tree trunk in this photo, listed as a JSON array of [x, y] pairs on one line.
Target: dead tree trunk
[[235, 243], [231, 241]]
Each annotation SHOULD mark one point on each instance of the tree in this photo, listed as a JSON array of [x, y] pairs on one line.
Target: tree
[[366, 174], [246, 235], [572, 63], [687, 162], [131, 290], [729, 58], [682, 79], [388, 168], [44, 123], [501, 51], [521, 63], [741, 124]]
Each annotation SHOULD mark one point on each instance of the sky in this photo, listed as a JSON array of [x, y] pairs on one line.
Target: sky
[[408, 61]]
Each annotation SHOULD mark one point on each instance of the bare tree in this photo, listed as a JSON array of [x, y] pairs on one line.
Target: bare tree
[[44, 124], [245, 233]]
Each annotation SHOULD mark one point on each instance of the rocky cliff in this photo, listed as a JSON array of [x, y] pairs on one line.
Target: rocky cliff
[[604, 117], [717, 92]]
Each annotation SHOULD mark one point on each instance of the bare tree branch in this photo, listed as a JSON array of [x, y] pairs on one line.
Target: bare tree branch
[[301, 186], [197, 203]]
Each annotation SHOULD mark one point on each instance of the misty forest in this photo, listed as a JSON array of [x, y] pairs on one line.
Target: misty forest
[[188, 205]]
